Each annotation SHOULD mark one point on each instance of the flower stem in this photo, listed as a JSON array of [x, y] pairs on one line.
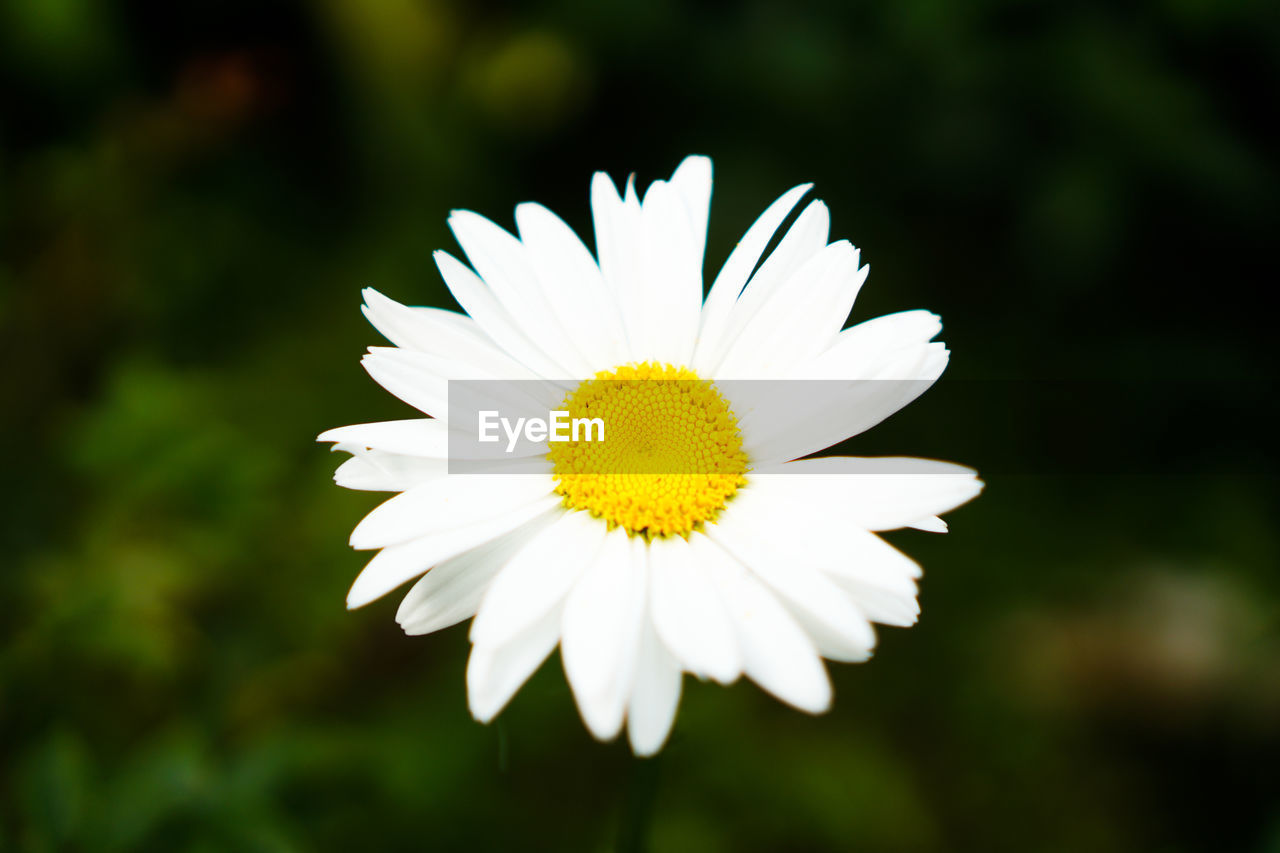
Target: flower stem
[[637, 807]]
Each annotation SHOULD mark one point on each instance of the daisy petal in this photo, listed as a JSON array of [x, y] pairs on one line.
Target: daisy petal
[[600, 635], [375, 471], [806, 237], [862, 351], [878, 578], [687, 612], [692, 180], [446, 504], [399, 563], [441, 333], [496, 671], [537, 578], [838, 628], [735, 272], [503, 263], [478, 301], [670, 307], [886, 607], [620, 247], [867, 559], [450, 592], [801, 319], [414, 437], [422, 380], [776, 652], [426, 393], [932, 524], [881, 493], [655, 697], [574, 286], [813, 422]]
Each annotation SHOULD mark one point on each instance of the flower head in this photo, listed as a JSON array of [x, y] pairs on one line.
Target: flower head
[[692, 537]]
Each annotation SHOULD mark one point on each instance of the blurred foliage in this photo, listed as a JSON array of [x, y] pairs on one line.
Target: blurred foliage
[[191, 196]]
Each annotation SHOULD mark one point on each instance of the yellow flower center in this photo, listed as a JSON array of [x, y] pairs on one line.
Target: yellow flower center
[[671, 456]]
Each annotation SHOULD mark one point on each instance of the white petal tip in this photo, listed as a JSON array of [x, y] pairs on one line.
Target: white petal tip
[[485, 709], [724, 679], [604, 731], [817, 706], [647, 744], [933, 524], [483, 717], [812, 698], [647, 751]]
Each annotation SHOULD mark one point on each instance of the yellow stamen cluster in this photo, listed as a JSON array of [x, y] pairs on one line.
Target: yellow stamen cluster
[[671, 455]]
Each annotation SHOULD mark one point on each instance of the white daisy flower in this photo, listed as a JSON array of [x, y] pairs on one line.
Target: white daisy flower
[[755, 564]]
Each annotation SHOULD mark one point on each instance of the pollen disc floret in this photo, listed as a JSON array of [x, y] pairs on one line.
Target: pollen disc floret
[[671, 456]]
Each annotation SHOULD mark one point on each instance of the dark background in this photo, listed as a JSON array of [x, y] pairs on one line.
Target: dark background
[[192, 195]]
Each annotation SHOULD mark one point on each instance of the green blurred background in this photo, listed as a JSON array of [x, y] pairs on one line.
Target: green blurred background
[[192, 196]]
